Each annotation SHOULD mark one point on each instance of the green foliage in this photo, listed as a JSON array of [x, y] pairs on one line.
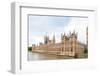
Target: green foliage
[[29, 48], [85, 50]]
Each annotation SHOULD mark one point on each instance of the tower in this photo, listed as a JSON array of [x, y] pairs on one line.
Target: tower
[[74, 43], [61, 37], [64, 39], [64, 42], [46, 39], [53, 39], [61, 42], [87, 37]]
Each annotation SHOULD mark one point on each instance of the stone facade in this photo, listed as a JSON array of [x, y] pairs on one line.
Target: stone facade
[[69, 45]]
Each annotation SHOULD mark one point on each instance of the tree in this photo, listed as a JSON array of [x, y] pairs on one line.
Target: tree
[[85, 50], [29, 48]]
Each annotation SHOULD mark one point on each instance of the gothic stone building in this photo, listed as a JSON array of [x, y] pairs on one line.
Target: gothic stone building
[[69, 45]]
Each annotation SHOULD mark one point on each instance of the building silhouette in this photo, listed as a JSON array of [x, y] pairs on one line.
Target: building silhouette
[[69, 45]]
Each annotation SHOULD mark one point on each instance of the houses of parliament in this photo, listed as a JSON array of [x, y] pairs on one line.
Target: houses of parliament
[[68, 45]]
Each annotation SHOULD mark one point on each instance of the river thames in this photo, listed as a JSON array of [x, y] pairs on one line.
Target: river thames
[[40, 56]]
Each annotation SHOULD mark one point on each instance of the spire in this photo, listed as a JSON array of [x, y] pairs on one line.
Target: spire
[[53, 39]]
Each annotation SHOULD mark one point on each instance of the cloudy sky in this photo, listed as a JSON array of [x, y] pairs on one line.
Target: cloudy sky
[[55, 25]]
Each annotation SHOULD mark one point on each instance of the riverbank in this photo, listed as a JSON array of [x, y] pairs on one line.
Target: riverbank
[[47, 56]]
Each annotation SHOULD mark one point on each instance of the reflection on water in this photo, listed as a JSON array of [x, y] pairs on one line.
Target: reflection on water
[[38, 56]]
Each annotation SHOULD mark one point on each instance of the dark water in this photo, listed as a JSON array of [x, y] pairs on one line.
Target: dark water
[[38, 56]]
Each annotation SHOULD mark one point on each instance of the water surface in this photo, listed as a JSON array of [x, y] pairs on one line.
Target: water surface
[[38, 56]]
